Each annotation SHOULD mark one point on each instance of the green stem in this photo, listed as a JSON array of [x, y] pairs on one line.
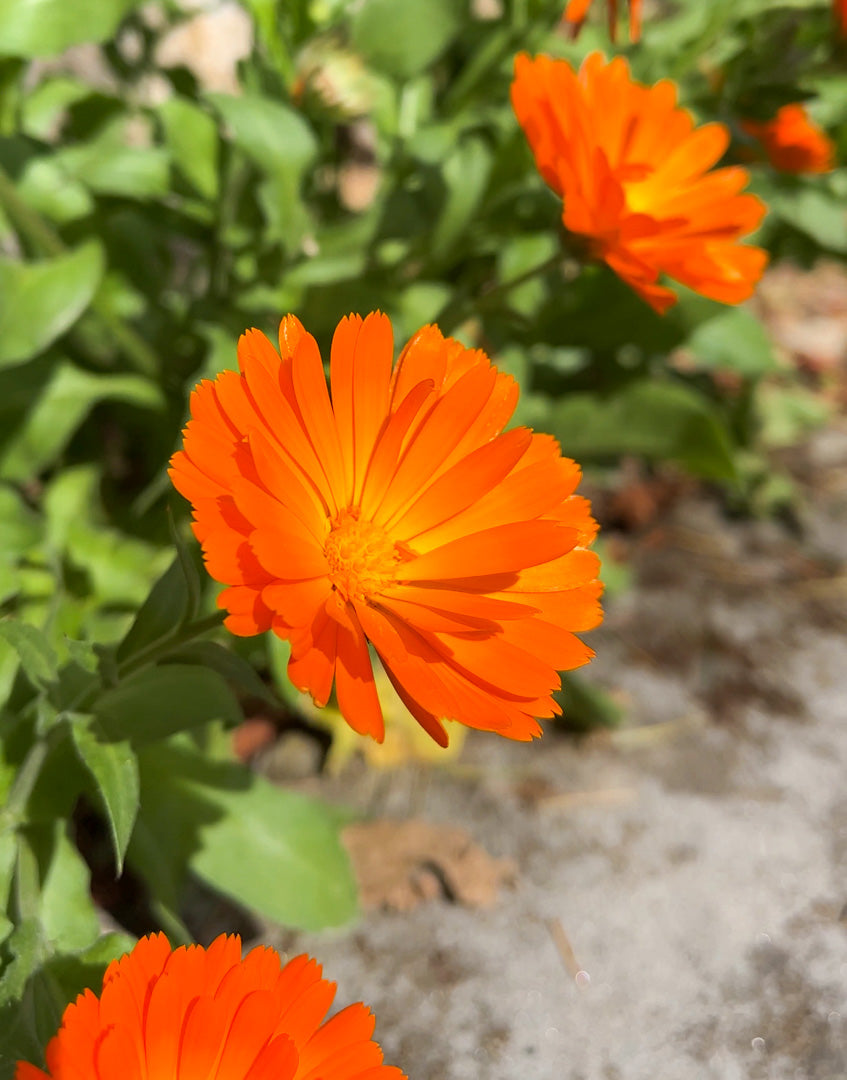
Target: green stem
[[35, 229], [463, 309], [27, 775], [158, 649], [500, 289]]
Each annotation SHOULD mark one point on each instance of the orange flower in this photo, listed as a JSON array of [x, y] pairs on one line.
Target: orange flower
[[633, 172], [576, 11], [206, 1014], [839, 8], [399, 513], [792, 142]]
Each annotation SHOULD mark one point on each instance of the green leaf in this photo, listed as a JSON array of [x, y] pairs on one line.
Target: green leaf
[[817, 213], [49, 191], [27, 1025], [662, 421], [279, 653], [67, 912], [192, 137], [20, 527], [113, 164], [282, 146], [120, 567], [162, 700], [115, 772], [35, 653], [61, 406], [404, 38], [39, 301], [161, 614], [48, 27], [291, 865], [61, 780], [733, 341], [42, 109], [586, 706], [270, 849], [418, 305], [465, 174], [519, 256], [227, 664], [26, 948], [275, 138]]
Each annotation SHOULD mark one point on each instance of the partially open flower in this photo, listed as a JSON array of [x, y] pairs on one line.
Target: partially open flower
[[792, 142], [577, 10], [206, 1014], [396, 512], [636, 178]]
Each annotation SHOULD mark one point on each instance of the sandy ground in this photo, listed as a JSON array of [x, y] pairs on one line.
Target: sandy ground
[[693, 862]]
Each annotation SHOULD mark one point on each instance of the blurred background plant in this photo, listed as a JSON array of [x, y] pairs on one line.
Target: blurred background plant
[[171, 173]]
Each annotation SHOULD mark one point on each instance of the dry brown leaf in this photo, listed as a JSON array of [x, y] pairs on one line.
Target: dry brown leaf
[[400, 864]]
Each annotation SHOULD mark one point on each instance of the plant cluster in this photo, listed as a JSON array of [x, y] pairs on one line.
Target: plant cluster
[[487, 175]]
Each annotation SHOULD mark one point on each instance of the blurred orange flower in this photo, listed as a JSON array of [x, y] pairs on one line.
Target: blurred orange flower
[[792, 142], [634, 175], [839, 7], [205, 1013], [397, 512], [576, 11]]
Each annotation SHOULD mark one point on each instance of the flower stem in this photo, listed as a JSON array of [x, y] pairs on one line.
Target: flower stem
[[35, 229], [462, 309], [27, 775], [157, 650]]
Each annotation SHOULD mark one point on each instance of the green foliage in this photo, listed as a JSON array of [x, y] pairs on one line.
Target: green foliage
[[404, 39], [147, 217], [40, 300], [658, 420], [114, 770], [49, 26], [159, 701], [270, 849]]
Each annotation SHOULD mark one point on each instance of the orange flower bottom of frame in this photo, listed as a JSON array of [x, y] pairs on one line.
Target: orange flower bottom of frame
[[207, 1014]]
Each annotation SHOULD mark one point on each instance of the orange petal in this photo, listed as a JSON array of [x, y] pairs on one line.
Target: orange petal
[[499, 550], [387, 449], [463, 484], [313, 400], [437, 435], [358, 701]]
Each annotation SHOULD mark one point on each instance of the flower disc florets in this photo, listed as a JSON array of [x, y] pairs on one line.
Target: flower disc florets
[[362, 556]]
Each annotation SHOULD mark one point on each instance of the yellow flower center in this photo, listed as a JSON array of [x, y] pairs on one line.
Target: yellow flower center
[[362, 556]]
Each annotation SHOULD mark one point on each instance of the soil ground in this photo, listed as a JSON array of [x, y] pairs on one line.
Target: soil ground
[[680, 899]]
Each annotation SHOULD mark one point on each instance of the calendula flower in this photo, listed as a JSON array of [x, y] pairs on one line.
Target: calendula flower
[[577, 10], [792, 142], [206, 1014], [634, 175], [397, 512]]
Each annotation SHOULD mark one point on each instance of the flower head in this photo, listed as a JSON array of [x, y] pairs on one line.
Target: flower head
[[206, 1014], [396, 512], [792, 142], [633, 172], [576, 11]]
